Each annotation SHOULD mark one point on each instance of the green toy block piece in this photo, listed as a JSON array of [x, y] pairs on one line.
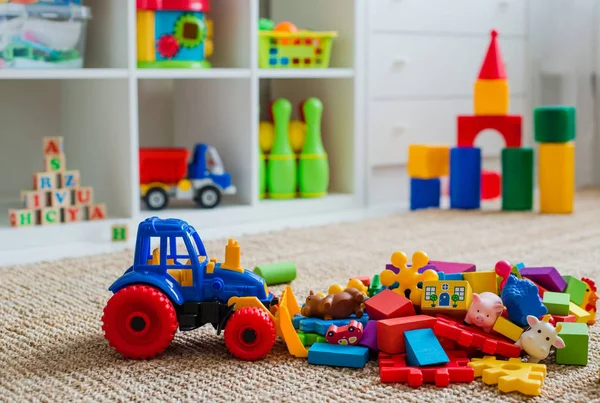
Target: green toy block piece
[[557, 303], [266, 24], [308, 339], [277, 273], [517, 179], [375, 286], [576, 289], [576, 338], [554, 124]]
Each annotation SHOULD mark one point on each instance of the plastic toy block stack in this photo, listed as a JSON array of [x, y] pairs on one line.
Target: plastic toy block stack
[[57, 195], [293, 161], [426, 165], [554, 128]]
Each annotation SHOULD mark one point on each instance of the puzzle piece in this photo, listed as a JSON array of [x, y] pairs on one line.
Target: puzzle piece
[[308, 339], [408, 278], [393, 368], [320, 326], [468, 336], [511, 375]]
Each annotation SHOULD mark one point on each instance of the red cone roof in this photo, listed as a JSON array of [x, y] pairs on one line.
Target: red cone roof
[[493, 65]]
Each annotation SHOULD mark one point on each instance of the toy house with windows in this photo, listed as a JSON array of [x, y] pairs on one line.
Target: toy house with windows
[[173, 34], [446, 296]]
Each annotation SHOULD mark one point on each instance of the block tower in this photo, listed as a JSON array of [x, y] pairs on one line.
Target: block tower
[[554, 128], [57, 196], [490, 106]]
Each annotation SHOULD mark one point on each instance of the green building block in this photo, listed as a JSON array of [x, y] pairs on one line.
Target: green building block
[[554, 124], [517, 179], [308, 339], [557, 303], [576, 338], [576, 289]]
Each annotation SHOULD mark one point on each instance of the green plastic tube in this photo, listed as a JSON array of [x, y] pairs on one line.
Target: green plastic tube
[[277, 273]]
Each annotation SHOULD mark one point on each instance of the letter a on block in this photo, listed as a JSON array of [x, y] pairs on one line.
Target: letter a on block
[[97, 212], [53, 145]]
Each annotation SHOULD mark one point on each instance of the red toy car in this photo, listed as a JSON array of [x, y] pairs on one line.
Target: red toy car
[[346, 335]]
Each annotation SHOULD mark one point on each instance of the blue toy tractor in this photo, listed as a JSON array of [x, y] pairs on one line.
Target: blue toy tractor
[[176, 286]]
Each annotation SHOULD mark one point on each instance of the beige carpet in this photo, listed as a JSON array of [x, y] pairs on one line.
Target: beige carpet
[[52, 347]]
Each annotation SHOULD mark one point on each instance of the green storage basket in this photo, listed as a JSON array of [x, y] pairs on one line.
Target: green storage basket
[[301, 50]]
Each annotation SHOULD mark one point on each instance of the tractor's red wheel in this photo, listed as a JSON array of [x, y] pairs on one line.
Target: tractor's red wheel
[[139, 322], [250, 333]]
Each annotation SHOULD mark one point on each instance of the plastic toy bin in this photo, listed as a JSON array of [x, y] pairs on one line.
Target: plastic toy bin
[[303, 49], [42, 36]]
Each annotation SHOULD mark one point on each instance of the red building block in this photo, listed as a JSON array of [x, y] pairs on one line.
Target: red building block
[[366, 280], [468, 336], [509, 128], [387, 305], [390, 332], [567, 318], [491, 185], [541, 290], [393, 368]]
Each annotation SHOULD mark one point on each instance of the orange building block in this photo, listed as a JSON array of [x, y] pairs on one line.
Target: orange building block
[[428, 161], [387, 305], [390, 332]]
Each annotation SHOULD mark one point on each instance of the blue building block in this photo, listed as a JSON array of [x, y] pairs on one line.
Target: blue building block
[[465, 178], [423, 348], [337, 355], [521, 298], [425, 193], [452, 276], [320, 326]]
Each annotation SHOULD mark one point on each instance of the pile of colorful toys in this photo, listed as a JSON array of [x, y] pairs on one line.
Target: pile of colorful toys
[[293, 159], [469, 184], [441, 322], [57, 195]]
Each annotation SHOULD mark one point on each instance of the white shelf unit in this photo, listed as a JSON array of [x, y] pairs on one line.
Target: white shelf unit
[[109, 109]]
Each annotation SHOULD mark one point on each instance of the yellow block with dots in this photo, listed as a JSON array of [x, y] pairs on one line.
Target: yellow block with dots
[[556, 173], [428, 161], [507, 328], [491, 98], [145, 36]]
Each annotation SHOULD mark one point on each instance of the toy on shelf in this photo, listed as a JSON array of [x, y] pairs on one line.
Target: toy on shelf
[[165, 173], [469, 184], [167, 288], [296, 161], [537, 340], [286, 46], [57, 195], [174, 34], [42, 35]]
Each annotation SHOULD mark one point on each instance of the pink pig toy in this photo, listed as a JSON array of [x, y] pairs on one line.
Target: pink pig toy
[[484, 310]]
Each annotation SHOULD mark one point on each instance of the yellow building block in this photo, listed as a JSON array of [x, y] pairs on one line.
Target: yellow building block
[[428, 161], [507, 328], [446, 296], [145, 36], [482, 281], [581, 314], [556, 172], [491, 97], [512, 375]]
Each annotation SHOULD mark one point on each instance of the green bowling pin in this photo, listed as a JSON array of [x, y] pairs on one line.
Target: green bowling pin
[[313, 168], [281, 167], [262, 173]]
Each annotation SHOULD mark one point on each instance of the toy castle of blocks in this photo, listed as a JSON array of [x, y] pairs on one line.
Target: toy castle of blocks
[[57, 196]]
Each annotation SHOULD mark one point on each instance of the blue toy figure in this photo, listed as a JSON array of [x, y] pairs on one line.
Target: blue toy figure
[[520, 297]]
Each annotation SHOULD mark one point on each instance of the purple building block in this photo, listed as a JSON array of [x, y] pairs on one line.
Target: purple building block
[[449, 267], [547, 277], [369, 337]]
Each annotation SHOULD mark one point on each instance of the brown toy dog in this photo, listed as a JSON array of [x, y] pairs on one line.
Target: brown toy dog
[[334, 306]]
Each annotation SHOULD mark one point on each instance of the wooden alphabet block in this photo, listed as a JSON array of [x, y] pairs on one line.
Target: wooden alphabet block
[[53, 145], [45, 181], [61, 198], [33, 199], [69, 179], [83, 196], [55, 163], [97, 212], [72, 214], [120, 232], [50, 216], [22, 218]]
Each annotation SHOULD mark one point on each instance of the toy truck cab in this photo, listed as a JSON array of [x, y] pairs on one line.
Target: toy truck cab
[[177, 286], [208, 176]]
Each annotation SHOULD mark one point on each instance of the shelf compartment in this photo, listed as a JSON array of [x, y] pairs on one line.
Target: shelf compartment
[[306, 73], [216, 73]]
